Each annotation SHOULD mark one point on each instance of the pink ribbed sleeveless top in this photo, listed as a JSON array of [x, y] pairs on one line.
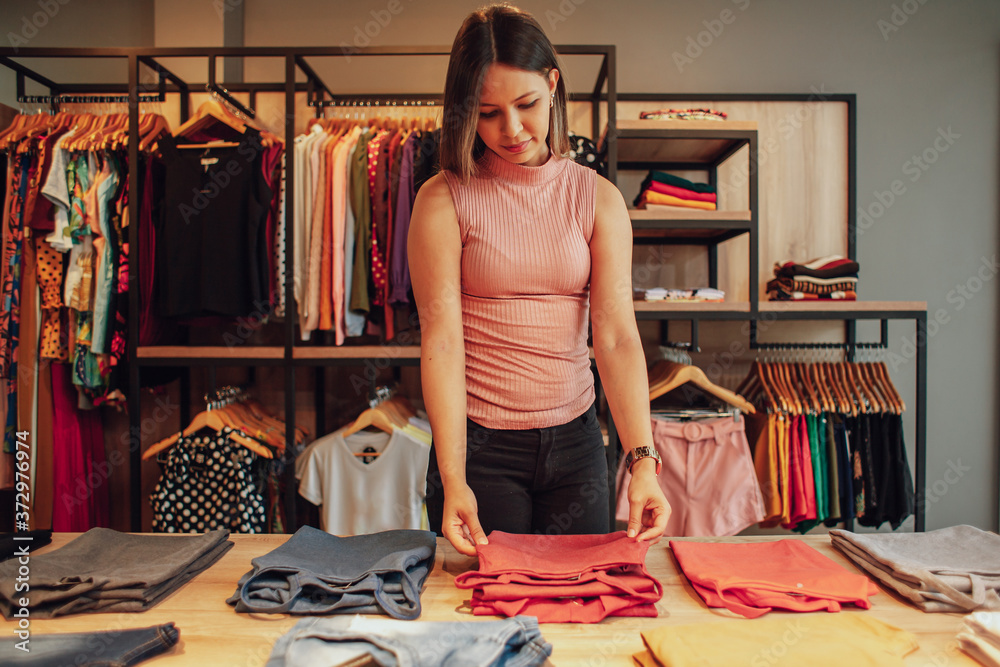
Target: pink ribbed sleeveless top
[[526, 290]]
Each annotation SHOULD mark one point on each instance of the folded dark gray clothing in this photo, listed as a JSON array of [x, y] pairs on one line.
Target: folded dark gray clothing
[[318, 573], [104, 570], [951, 569], [110, 648]]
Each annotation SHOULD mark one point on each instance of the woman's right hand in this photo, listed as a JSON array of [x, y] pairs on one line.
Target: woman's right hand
[[460, 521]]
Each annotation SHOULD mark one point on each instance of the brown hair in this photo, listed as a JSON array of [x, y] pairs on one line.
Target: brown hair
[[495, 34]]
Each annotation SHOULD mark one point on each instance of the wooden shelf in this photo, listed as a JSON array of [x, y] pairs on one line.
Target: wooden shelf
[[354, 352], [690, 142], [172, 355], [696, 227], [781, 310]]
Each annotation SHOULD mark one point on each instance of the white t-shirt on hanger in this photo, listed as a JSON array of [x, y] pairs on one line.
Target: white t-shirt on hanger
[[357, 498]]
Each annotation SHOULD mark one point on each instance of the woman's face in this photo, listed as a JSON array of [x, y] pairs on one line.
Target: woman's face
[[514, 113]]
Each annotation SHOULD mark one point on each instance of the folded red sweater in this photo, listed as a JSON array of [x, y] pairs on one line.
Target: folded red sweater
[[752, 579], [562, 578]]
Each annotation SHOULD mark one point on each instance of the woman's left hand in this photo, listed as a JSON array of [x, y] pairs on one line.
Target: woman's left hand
[[648, 507]]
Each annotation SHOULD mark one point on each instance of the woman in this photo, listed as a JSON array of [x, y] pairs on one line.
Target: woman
[[509, 247]]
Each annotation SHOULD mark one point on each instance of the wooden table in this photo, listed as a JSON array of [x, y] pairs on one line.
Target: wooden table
[[213, 634]]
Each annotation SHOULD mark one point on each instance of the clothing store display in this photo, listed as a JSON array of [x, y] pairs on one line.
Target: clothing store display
[[107, 571], [752, 579], [118, 648], [697, 295], [333, 476], [354, 191], [209, 482], [562, 578], [212, 240], [12, 544], [980, 637], [318, 573], [708, 477], [833, 277], [510, 642], [660, 190], [955, 569], [527, 362], [819, 641], [684, 114]]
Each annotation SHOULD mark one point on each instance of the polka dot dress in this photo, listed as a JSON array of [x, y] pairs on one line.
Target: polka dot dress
[[208, 484], [582, 151]]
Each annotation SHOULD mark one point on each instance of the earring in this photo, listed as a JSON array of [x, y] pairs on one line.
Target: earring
[[552, 100]]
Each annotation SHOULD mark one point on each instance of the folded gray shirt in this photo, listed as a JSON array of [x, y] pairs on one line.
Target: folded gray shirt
[[107, 571], [954, 569]]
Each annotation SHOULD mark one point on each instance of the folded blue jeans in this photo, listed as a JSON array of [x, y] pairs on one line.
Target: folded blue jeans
[[113, 648], [511, 642], [318, 573]]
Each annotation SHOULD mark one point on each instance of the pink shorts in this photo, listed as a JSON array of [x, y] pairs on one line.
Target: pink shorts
[[708, 477]]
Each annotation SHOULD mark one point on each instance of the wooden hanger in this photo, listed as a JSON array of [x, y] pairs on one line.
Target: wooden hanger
[[371, 417], [213, 420], [668, 375], [755, 388]]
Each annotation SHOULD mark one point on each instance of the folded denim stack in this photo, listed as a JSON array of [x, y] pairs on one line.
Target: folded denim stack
[[513, 642], [118, 648], [752, 579], [817, 641], [980, 637], [107, 571], [562, 578], [318, 573], [825, 278], [954, 569], [665, 192]]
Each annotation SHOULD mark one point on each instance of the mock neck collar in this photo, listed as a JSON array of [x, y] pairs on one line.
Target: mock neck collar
[[520, 174]]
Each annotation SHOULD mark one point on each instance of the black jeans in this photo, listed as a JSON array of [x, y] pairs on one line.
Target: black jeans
[[543, 480]]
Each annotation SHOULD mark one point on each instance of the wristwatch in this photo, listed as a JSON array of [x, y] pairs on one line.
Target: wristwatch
[[643, 452]]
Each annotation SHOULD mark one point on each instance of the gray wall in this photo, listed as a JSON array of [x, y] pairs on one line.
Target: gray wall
[[926, 77]]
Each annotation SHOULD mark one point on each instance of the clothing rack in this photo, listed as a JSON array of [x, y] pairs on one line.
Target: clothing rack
[[291, 354]]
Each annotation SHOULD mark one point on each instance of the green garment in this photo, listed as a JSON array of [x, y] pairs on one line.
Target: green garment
[[362, 207]]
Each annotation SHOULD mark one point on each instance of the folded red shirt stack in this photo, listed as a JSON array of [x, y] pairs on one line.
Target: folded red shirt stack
[[562, 578], [752, 579]]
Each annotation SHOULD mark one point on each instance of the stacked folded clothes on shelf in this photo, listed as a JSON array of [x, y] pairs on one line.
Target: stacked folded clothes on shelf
[[980, 637], [318, 573], [107, 571], [752, 579], [683, 114], [817, 641], [562, 578], [955, 569], [357, 640], [660, 189], [696, 295], [832, 277]]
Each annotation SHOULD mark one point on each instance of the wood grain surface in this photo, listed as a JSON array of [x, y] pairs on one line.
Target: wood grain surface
[[213, 634]]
